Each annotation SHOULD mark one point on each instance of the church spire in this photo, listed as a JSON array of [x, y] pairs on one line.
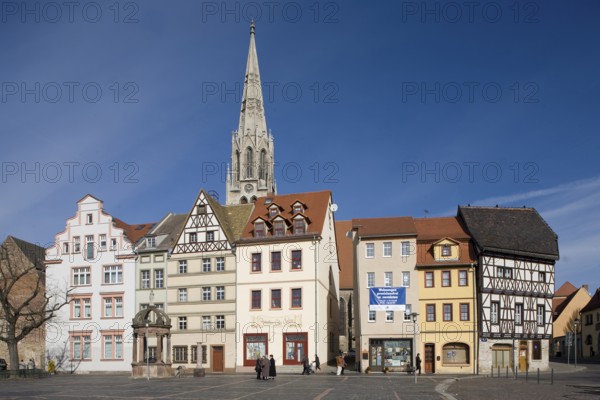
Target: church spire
[[252, 155]]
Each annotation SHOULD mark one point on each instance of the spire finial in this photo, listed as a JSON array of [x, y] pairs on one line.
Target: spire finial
[[252, 26]]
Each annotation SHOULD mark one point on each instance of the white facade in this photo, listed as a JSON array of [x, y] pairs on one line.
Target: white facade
[[94, 259], [287, 303]]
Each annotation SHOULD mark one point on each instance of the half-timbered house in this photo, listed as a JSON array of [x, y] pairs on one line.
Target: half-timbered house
[[202, 285], [516, 251]]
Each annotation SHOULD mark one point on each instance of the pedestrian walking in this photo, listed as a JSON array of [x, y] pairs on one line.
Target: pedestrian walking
[[272, 371], [305, 366], [418, 366], [340, 364], [317, 363]]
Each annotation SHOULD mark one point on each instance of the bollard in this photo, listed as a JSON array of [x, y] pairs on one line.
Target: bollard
[[538, 375], [507, 371], [516, 373], [492, 371], [552, 376], [498, 371], [526, 374]]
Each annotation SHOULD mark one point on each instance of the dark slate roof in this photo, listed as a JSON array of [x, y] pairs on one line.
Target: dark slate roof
[[516, 231], [171, 225]]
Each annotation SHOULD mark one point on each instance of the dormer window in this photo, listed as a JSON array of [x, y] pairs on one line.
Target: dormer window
[[273, 211], [151, 242], [298, 209], [446, 250], [279, 228], [299, 226], [201, 209], [259, 229]]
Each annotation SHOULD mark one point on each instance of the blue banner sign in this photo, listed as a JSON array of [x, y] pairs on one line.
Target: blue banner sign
[[387, 298]]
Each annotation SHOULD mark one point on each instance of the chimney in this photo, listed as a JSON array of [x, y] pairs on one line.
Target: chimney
[[586, 287]]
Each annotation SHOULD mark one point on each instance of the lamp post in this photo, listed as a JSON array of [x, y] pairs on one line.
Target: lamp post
[[414, 320], [147, 354], [576, 323]]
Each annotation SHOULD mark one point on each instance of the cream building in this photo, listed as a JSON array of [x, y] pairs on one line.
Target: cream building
[[385, 257], [288, 282], [567, 304], [201, 296]]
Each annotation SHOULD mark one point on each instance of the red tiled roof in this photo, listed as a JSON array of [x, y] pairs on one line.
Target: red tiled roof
[[133, 232], [566, 289], [432, 230], [383, 227], [345, 254], [317, 204]]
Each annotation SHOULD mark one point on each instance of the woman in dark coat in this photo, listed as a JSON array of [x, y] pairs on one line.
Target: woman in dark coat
[[258, 367], [272, 371]]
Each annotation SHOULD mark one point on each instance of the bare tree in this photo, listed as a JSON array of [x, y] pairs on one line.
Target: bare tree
[[62, 359], [26, 304], [570, 325]]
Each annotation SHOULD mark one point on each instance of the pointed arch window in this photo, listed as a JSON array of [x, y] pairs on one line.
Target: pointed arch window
[[262, 167], [249, 163]]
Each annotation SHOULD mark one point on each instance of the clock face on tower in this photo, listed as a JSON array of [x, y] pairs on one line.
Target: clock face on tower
[[248, 187]]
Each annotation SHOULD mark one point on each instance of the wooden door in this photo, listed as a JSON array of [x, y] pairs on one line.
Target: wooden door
[[429, 358], [523, 361], [217, 357]]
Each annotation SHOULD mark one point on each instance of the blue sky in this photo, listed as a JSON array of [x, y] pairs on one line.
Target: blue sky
[[399, 108]]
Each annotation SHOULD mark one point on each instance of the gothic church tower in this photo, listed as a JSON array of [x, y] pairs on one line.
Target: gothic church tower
[[251, 173]]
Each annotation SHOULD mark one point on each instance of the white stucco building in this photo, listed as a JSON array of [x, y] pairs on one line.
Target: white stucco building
[[94, 258]]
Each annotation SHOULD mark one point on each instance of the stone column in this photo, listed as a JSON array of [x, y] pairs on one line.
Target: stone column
[[134, 358], [141, 350], [169, 348], [159, 348]]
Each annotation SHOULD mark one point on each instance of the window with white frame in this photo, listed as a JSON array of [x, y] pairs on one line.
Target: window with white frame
[[112, 307], [151, 242], [118, 307], [540, 315], [145, 279], [206, 265], [429, 279], [405, 248], [220, 290], [183, 295], [220, 264], [89, 247], [407, 312], [193, 237], [494, 310], [89, 219], [81, 276], [87, 308], [371, 316], [388, 280], [370, 279], [463, 279], [108, 307], [206, 323], [406, 279], [180, 354], [81, 347], [182, 323], [206, 293], [387, 249], [518, 313], [76, 244], [183, 266], [389, 316], [113, 347], [369, 250], [113, 274], [220, 322], [446, 280], [113, 243], [103, 241], [210, 236], [299, 226], [159, 278]]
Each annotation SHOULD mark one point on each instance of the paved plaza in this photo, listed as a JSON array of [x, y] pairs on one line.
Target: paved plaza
[[581, 384]]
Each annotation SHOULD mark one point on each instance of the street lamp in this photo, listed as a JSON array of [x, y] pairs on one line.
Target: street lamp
[[147, 354], [576, 323], [414, 320]]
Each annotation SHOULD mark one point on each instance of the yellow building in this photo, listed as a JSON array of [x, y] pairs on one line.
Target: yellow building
[[447, 314], [566, 306]]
